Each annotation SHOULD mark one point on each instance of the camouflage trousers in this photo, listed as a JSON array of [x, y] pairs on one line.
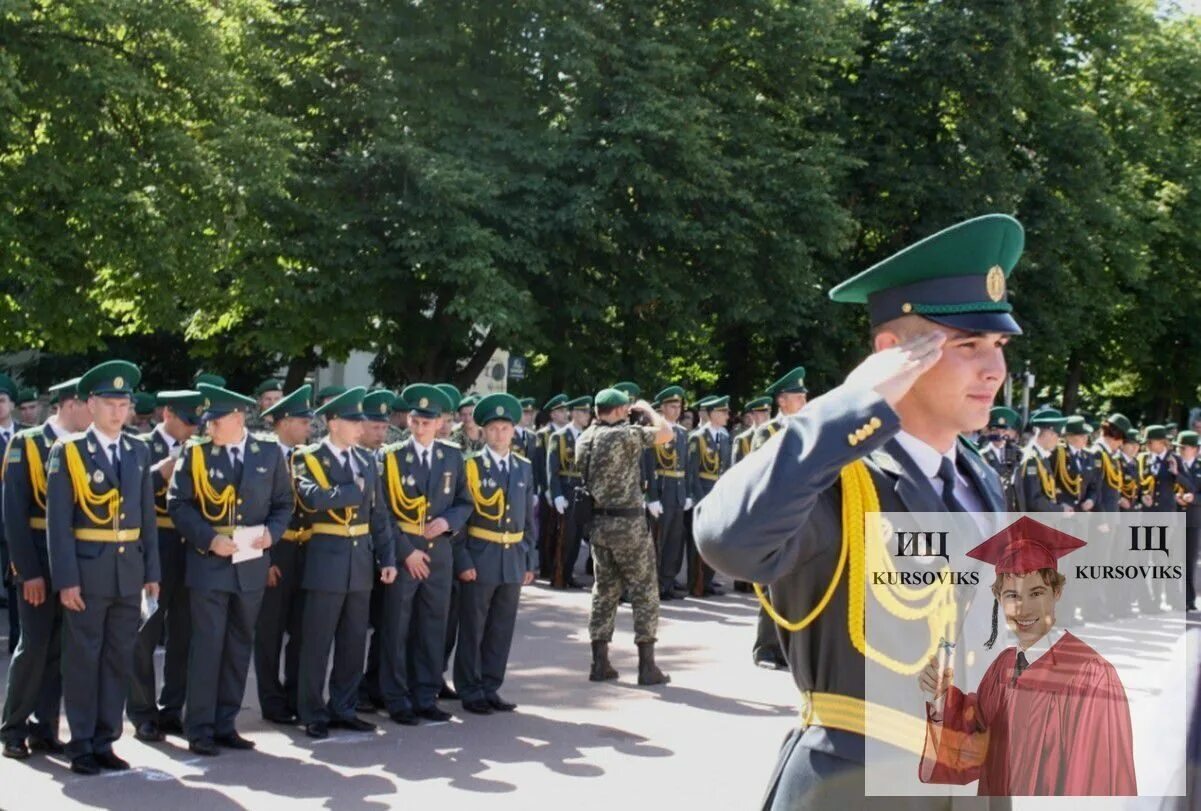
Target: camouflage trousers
[[628, 566]]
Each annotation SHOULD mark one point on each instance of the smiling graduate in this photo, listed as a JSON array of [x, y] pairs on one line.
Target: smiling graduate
[[1050, 715]]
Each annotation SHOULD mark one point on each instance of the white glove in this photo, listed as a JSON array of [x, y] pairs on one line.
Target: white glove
[[655, 508], [687, 504], [560, 504]]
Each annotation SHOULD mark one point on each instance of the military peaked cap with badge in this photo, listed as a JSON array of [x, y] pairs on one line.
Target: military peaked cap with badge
[[583, 403], [1155, 432], [143, 403], [8, 386], [67, 390], [427, 401], [527, 403], [114, 378], [1003, 417], [220, 401], [671, 394], [956, 277], [452, 394], [327, 392], [377, 405], [346, 406], [1076, 426], [294, 404], [628, 387], [1120, 422], [209, 378], [558, 401], [1187, 439], [1048, 418], [186, 404], [497, 407], [758, 404], [719, 403], [400, 405], [791, 383]]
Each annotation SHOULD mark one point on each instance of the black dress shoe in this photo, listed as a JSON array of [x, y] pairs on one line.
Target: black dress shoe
[[713, 591], [478, 706], [170, 726], [149, 732], [85, 764], [433, 713], [447, 693], [405, 717], [107, 760], [666, 595], [364, 705], [233, 741], [317, 729], [500, 705], [50, 746], [204, 746], [285, 718], [354, 724], [16, 750]]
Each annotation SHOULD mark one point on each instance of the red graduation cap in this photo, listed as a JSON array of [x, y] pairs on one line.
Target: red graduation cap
[[1026, 546]]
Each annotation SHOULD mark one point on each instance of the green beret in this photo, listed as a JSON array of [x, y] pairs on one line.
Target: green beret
[[631, 389], [207, 377], [611, 398], [1188, 439], [9, 387], [377, 405], [527, 403], [346, 406], [671, 394], [327, 392], [468, 402], [580, 403], [1003, 417], [1155, 432], [452, 394], [143, 403], [1120, 422], [1048, 418], [113, 378], [67, 390], [295, 404], [400, 405], [717, 403], [956, 277], [426, 400], [558, 401], [1076, 426], [793, 382], [758, 404], [186, 404], [498, 406], [27, 395], [270, 384], [219, 401]]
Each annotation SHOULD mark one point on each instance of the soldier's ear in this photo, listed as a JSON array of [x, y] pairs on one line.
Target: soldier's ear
[[884, 339]]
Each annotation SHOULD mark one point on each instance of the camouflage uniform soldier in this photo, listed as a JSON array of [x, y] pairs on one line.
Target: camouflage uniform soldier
[[759, 410], [610, 454], [466, 434], [398, 430], [318, 429], [267, 393]]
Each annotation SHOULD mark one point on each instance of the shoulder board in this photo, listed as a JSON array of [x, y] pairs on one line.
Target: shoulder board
[[29, 432], [263, 436], [136, 439], [392, 446], [519, 456], [78, 436], [146, 437], [1142, 455], [199, 440], [306, 448], [450, 444]]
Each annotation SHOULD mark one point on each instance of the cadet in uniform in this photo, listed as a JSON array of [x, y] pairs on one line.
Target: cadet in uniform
[[377, 408], [562, 477], [1035, 485], [351, 537], [759, 411], [525, 441], [889, 437], [999, 449], [103, 545], [398, 429], [1163, 475], [1110, 498], [283, 600], [448, 417], [549, 518], [496, 558], [28, 407], [266, 395], [708, 460], [225, 481], [141, 420], [35, 685], [610, 453], [466, 434], [425, 489], [151, 714], [1187, 446], [9, 428], [667, 491], [324, 395]]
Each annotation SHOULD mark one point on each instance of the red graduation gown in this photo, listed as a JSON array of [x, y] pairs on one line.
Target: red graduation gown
[[1063, 729]]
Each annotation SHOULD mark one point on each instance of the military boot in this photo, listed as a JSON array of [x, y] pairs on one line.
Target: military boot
[[647, 672], [601, 669]]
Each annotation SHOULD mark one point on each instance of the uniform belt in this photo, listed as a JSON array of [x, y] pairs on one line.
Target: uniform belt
[[619, 512], [341, 530], [670, 474], [37, 522], [712, 477], [850, 714], [412, 529], [297, 535], [108, 535], [506, 538], [164, 521]]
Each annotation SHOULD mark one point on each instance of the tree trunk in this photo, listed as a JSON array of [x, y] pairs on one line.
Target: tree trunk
[[1071, 383]]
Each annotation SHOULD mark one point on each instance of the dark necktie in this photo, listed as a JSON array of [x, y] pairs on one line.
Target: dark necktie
[[1019, 666], [4, 437], [236, 464], [946, 472], [115, 460], [346, 463], [425, 463], [504, 470]]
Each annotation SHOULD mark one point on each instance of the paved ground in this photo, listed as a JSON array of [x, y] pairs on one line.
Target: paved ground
[[571, 744]]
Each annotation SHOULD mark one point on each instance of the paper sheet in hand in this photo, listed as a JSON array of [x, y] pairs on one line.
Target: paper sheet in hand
[[243, 538]]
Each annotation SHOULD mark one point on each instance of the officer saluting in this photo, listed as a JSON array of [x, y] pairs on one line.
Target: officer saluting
[[496, 558], [225, 482], [151, 716], [351, 536], [35, 675], [103, 545], [887, 438]]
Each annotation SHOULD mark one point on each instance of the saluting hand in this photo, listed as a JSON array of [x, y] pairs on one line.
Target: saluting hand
[[892, 372]]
